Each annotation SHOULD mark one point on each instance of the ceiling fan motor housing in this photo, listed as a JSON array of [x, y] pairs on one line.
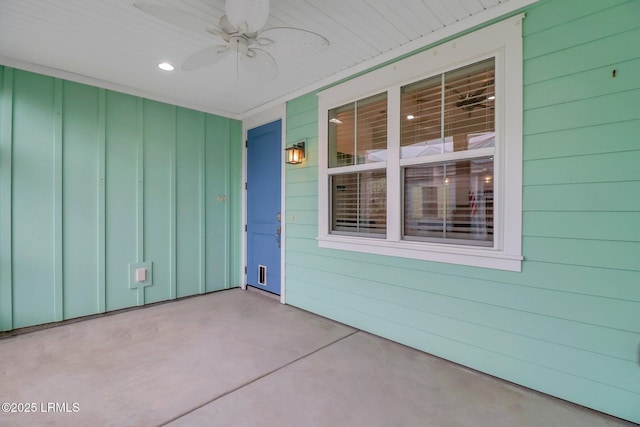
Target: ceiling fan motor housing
[[239, 44]]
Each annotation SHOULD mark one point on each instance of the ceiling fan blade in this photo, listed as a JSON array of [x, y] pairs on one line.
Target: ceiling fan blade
[[248, 16], [205, 57], [479, 92], [288, 41], [260, 63], [177, 17]]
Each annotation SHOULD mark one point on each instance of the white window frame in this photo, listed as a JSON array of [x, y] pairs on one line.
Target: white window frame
[[503, 41]]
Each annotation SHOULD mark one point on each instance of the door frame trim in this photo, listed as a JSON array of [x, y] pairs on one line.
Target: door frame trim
[[268, 116]]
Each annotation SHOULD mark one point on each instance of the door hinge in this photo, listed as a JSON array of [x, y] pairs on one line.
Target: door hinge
[[245, 269], [245, 227], [245, 185], [246, 143]]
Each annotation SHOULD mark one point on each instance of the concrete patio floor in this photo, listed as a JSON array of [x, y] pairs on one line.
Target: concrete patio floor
[[240, 358]]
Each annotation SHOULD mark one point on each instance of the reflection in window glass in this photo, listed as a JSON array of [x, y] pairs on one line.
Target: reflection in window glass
[[421, 117], [359, 203], [469, 108], [457, 118], [342, 135], [358, 132], [450, 201]]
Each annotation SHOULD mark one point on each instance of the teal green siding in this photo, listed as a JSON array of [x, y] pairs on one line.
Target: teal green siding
[[33, 192], [189, 192], [159, 131], [93, 180], [81, 152], [122, 205], [217, 246], [6, 155], [569, 323], [236, 186]]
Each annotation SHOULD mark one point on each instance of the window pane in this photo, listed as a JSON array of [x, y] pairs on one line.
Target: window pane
[[421, 117], [468, 112], [359, 203], [371, 129], [342, 135], [450, 201], [469, 109], [358, 132]]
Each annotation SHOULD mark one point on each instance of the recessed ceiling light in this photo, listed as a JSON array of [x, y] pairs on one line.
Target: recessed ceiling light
[[491, 97], [411, 117], [166, 66], [336, 121]]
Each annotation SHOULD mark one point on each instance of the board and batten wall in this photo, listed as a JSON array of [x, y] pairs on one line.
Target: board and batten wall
[[92, 181], [569, 323]]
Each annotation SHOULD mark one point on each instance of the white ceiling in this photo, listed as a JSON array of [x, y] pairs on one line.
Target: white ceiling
[[111, 44]]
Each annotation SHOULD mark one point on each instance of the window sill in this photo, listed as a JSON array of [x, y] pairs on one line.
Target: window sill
[[452, 254]]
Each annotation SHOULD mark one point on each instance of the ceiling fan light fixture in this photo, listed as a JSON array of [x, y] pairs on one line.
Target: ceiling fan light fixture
[[247, 15]]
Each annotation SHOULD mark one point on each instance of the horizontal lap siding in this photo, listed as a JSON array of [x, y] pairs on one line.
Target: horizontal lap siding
[[569, 323], [581, 176]]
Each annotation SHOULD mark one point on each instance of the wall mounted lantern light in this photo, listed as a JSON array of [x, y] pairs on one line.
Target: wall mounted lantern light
[[295, 153]]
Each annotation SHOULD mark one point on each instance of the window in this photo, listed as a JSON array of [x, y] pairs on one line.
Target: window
[[357, 131], [449, 201], [359, 203], [428, 165]]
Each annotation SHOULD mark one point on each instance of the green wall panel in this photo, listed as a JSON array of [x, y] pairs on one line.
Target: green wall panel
[[94, 181], [581, 169], [305, 188], [591, 112], [159, 198], [33, 199], [558, 13], [602, 22], [190, 198], [609, 51], [596, 82], [80, 199], [123, 137], [217, 202], [583, 141], [601, 196], [618, 226], [596, 253], [567, 324], [6, 245], [236, 191]]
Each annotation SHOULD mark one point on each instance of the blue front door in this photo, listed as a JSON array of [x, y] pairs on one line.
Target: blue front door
[[264, 155]]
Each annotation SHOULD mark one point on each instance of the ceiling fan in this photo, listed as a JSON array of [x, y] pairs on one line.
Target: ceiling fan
[[469, 100], [240, 32]]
